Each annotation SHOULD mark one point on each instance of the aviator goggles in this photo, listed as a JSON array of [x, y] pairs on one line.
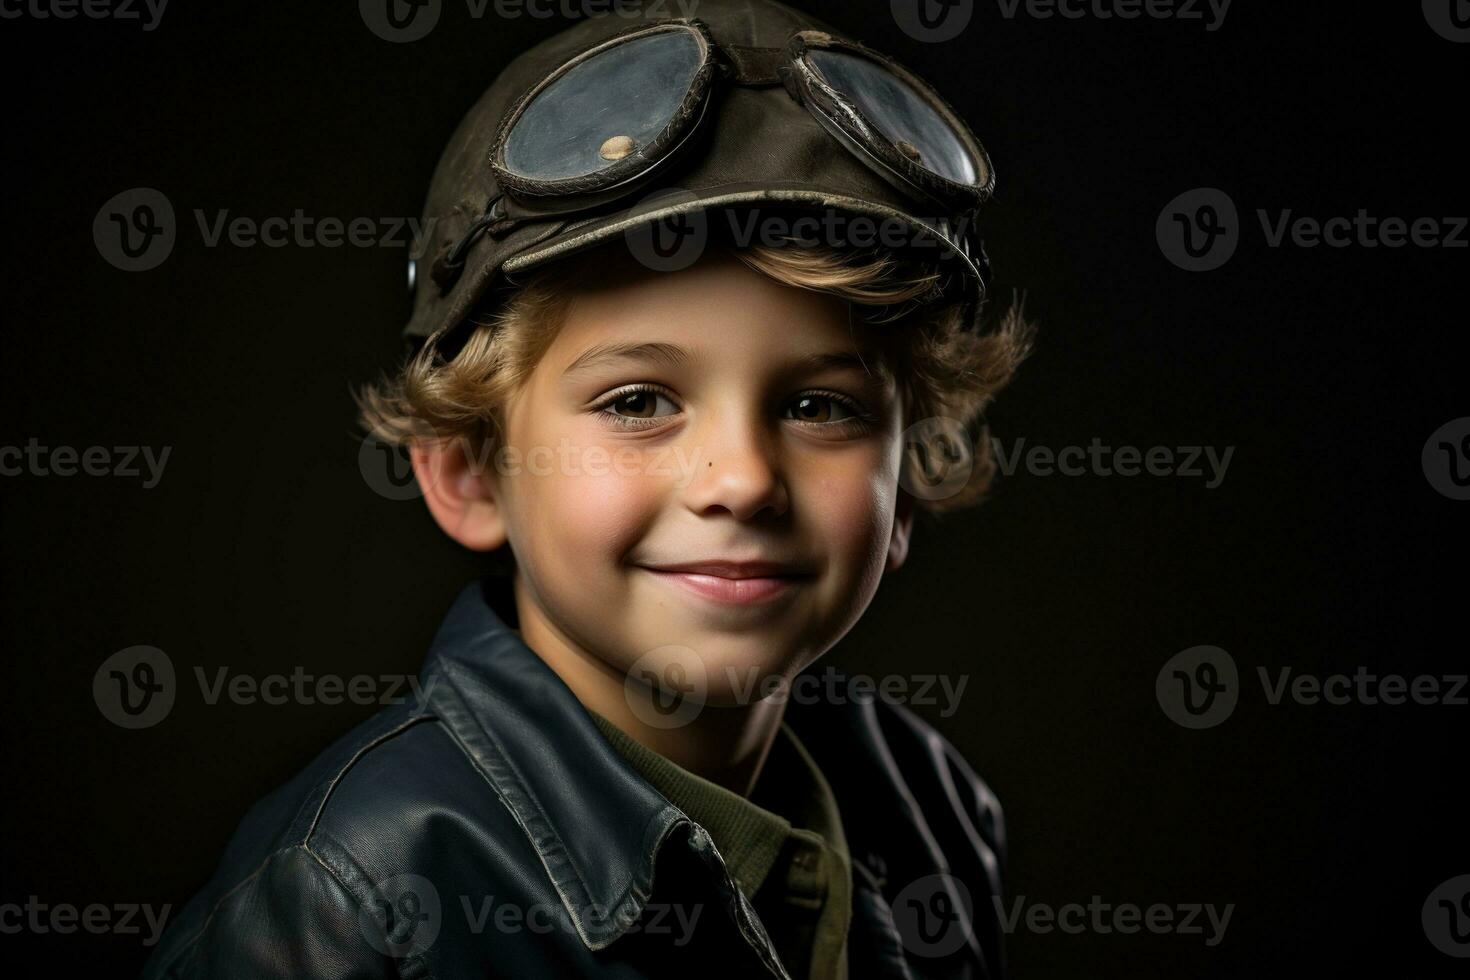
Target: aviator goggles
[[576, 141]]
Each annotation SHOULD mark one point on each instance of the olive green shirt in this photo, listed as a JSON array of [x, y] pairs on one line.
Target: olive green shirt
[[794, 869]]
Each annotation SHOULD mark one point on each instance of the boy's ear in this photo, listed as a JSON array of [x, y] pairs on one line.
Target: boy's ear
[[903, 527], [459, 495]]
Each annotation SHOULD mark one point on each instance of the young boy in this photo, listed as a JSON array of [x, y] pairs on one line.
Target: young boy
[[695, 463]]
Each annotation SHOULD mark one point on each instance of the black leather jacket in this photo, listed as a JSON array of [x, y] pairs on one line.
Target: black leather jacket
[[488, 829]]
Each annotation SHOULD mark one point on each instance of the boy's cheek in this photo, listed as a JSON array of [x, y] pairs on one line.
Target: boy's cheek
[[856, 501], [855, 512], [591, 517]]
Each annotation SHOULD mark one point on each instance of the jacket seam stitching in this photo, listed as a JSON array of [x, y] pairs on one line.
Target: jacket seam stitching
[[530, 796], [338, 776], [190, 946], [659, 827], [532, 799]]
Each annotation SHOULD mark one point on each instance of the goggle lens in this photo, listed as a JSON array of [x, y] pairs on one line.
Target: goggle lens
[[899, 112], [583, 122]]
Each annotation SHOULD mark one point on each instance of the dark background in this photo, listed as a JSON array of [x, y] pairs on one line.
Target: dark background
[[262, 548]]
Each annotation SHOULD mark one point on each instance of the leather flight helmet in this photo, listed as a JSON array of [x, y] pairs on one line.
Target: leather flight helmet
[[637, 117]]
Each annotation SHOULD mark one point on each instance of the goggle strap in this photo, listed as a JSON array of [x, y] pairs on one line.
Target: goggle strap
[[450, 263], [750, 65]]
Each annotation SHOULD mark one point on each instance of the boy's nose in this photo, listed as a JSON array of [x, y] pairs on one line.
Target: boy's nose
[[737, 469]]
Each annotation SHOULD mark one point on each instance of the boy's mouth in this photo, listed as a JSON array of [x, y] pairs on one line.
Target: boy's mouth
[[733, 582]]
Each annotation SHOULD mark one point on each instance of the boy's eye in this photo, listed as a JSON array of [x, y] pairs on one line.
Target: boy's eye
[[819, 409], [826, 410], [639, 404]]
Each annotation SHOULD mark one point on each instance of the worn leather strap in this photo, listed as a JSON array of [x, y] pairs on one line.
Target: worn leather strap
[[753, 66]]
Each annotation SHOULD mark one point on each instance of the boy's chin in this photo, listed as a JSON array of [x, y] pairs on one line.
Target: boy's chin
[[732, 672], [716, 668], [744, 687]]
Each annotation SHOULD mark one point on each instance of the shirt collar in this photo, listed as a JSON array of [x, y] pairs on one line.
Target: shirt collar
[[802, 850], [748, 836]]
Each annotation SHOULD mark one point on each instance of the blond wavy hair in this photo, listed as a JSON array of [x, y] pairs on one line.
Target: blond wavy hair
[[943, 371]]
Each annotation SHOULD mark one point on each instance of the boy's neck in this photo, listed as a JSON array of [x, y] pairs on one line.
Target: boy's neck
[[726, 745]]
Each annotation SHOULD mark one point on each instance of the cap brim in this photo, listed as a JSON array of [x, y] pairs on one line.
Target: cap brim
[[660, 205]]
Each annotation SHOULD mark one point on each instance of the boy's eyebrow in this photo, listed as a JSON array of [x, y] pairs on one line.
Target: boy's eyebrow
[[674, 355], [843, 360], [670, 354]]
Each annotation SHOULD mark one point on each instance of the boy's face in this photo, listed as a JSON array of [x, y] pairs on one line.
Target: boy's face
[[743, 428]]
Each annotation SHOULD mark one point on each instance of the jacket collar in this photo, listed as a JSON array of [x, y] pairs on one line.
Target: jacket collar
[[534, 742], [532, 739]]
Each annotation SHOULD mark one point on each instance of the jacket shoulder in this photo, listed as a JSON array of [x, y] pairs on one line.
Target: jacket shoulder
[[924, 755], [291, 916], [895, 773], [298, 873]]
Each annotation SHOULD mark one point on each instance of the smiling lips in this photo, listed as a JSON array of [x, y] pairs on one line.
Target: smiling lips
[[738, 583]]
